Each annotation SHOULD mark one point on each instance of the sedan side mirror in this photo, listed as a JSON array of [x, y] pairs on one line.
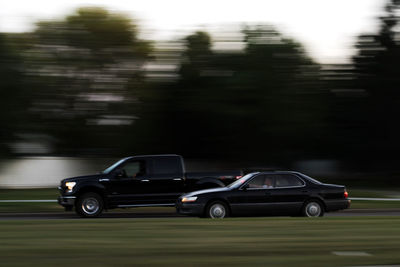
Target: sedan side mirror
[[244, 187]]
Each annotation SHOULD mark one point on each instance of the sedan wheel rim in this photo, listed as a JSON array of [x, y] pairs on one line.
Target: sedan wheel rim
[[90, 205], [217, 211], [313, 209]]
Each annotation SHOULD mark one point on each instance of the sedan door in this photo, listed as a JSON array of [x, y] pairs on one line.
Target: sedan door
[[288, 195], [253, 198]]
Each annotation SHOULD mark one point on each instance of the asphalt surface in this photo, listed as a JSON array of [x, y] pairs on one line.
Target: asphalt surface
[[134, 215]]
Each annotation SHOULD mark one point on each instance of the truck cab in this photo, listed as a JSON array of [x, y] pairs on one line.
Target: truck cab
[[137, 181]]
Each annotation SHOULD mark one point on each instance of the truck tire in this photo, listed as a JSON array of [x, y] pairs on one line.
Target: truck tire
[[217, 210], [89, 205]]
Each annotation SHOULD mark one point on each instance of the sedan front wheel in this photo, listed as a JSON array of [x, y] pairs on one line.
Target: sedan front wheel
[[217, 210]]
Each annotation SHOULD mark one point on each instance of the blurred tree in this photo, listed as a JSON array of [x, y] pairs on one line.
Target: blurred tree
[[85, 74], [241, 104], [377, 73], [12, 102]]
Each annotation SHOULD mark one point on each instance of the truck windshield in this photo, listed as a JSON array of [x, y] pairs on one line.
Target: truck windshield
[[112, 167], [241, 180]]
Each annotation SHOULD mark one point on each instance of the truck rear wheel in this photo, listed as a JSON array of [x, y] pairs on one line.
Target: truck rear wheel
[[89, 205]]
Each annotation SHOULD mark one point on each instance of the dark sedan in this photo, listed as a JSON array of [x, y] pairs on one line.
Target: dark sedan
[[266, 193]]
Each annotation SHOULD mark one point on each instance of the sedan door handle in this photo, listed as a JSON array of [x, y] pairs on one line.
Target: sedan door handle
[[177, 179], [145, 180], [268, 193]]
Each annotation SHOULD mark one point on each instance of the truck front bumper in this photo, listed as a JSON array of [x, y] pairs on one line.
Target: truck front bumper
[[66, 201]]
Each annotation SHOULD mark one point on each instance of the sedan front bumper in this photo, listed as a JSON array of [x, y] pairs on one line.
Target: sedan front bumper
[[196, 209]]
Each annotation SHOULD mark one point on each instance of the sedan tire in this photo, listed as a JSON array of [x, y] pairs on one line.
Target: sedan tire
[[313, 208], [89, 205], [217, 210]]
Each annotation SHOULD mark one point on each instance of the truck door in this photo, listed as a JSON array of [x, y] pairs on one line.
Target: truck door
[[167, 179], [130, 184]]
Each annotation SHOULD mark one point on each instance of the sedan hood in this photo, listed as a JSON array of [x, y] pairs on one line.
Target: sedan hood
[[211, 190]]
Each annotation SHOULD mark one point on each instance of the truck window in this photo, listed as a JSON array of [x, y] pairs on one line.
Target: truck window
[[167, 165], [134, 168]]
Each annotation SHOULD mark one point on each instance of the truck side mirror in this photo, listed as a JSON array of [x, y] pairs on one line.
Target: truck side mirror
[[120, 173]]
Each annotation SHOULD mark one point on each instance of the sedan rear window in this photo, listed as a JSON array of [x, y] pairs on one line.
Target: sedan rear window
[[287, 181]]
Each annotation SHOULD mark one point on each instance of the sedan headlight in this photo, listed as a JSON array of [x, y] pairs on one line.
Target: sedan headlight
[[70, 185], [189, 199]]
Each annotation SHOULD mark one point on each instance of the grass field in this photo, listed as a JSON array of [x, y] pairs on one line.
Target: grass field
[[194, 242]]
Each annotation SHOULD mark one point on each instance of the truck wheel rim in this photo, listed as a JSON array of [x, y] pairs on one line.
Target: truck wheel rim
[[313, 209], [90, 205], [217, 211]]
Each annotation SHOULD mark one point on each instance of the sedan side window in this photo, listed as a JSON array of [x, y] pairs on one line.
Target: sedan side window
[[287, 181], [261, 182]]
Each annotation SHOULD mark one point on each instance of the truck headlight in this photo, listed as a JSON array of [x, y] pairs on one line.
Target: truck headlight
[[70, 185], [189, 199]]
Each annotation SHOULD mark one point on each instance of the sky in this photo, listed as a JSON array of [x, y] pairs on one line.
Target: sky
[[327, 28]]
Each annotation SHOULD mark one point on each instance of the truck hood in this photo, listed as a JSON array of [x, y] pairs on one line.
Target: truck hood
[[211, 190], [83, 178]]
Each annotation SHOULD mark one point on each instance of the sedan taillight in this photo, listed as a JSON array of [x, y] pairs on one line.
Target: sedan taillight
[[346, 195]]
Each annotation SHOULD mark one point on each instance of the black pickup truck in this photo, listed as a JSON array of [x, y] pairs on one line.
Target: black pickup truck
[[138, 181]]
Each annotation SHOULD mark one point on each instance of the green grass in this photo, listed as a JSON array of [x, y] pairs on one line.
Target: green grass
[[362, 204], [194, 242], [367, 193], [37, 193]]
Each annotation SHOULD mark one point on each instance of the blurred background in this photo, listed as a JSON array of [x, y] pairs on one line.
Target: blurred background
[[294, 85]]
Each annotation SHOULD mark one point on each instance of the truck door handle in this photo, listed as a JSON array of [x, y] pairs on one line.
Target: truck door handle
[[145, 180], [177, 179]]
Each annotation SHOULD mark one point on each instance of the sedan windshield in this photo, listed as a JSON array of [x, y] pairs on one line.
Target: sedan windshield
[[242, 180]]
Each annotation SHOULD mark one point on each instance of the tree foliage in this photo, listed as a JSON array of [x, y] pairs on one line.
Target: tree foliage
[[85, 74]]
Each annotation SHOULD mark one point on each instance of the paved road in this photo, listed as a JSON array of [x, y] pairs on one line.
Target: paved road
[[132, 214]]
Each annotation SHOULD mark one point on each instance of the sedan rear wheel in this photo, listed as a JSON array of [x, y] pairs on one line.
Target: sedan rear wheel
[[217, 210], [313, 209]]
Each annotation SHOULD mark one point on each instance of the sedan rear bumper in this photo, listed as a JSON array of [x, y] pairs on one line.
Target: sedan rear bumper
[[332, 205]]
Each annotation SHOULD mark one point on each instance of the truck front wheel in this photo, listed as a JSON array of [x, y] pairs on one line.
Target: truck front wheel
[[89, 205]]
